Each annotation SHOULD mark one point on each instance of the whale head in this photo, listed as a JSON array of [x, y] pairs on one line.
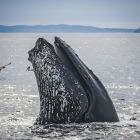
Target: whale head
[[69, 91]]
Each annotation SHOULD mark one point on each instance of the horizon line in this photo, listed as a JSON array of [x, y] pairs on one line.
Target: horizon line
[[67, 25]]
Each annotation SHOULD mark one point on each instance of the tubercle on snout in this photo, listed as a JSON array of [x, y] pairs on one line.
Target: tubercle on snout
[[39, 48]]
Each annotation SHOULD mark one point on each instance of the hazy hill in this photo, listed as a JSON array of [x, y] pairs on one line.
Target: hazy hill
[[137, 31], [62, 29]]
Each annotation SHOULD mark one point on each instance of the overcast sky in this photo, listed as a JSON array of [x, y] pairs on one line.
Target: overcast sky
[[100, 13]]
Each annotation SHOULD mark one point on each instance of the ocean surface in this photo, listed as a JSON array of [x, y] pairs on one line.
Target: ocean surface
[[114, 58]]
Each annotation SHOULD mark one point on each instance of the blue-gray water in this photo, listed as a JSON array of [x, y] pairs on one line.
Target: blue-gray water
[[114, 58]]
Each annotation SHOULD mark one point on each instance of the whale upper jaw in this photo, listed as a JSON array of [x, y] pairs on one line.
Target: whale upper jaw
[[69, 88]]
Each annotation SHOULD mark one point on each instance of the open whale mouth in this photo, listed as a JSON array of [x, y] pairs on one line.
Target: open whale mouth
[[100, 106]]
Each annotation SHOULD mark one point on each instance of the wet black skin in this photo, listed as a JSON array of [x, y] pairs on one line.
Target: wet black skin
[[98, 105]]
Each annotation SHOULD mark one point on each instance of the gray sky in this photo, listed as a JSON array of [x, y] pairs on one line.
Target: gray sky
[[100, 13]]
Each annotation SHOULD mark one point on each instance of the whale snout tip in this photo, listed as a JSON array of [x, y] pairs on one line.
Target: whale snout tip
[[40, 41], [56, 37]]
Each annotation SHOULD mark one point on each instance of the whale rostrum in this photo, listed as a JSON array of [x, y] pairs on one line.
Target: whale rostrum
[[69, 91]]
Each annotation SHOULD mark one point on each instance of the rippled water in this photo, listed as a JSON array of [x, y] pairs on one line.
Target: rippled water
[[114, 58]]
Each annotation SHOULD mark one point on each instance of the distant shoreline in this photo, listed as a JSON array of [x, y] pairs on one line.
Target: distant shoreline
[[62, 28], [72, 32]]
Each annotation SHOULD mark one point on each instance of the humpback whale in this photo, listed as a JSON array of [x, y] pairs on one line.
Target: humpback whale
[[69, 91]]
